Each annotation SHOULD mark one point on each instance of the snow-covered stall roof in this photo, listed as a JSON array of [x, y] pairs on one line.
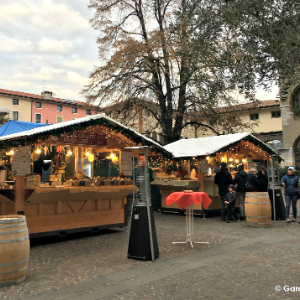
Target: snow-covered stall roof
[[197, 147], [33, 135]]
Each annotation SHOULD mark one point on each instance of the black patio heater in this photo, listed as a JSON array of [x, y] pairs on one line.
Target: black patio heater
[[142, 241]]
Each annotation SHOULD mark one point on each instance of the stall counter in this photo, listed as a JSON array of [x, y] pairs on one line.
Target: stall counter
[[65, 209]]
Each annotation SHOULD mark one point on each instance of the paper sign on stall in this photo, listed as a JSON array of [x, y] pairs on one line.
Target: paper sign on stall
[[21, 164], [204, 166], [126, 163]]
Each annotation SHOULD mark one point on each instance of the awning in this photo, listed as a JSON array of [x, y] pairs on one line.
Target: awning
[[199, 147], [33, 135], [11, 127]]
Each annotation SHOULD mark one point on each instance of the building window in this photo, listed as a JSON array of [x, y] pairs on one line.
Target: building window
[[15, 102], [254, 117], [59, 108], [276, 114], [74, 110], [59, 119], [38, 118], [38, 105], [15, 115], [88, 112]]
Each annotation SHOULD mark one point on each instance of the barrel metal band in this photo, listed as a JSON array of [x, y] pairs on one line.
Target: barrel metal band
[[12, 220], [256, 217], [257, 197], [15, 240], [268, 223], [14, 271], [13, 225], [8, 283], [20, 262], [12, 232], [257, 202]]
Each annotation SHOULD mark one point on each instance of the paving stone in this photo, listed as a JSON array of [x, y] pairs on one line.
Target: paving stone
[[240, 262]]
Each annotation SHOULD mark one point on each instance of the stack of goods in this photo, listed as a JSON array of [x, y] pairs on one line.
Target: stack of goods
[[33, 181]]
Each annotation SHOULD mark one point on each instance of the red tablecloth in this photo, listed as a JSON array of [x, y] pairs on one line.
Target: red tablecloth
[[184, 199]]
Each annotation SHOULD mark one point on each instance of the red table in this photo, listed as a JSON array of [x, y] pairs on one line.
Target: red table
[[186, 200]]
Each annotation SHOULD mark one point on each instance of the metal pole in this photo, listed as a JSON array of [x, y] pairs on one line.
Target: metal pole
[[148, 201], [133, 195], [273, 186]]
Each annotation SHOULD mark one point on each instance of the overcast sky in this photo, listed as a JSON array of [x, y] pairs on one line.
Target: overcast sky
[[50, 41]]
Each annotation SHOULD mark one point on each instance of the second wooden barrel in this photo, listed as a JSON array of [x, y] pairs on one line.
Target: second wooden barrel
[[14, 249], [258, 209]]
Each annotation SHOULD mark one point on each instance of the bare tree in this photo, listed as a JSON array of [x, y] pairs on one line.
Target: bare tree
[[172, 53]]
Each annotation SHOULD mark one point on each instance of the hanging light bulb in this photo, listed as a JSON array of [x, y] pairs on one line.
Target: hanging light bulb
[[38, 151], [10, 152], [207, 158], [244, 160], [91, 157]]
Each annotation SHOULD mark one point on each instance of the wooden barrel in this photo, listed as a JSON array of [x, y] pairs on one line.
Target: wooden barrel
[[258, 209], [14, 249]]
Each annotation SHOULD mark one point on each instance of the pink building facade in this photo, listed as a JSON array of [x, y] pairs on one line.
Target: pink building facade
[[45, 108]]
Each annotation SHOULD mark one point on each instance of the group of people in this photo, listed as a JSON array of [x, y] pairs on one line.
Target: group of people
[[231, 189]]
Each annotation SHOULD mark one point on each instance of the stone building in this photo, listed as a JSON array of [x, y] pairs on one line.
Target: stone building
[[262, 118], [291, 128]]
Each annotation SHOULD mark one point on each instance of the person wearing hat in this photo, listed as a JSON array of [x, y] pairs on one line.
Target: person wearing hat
[[223, 179], [230, 199], [290, 184]]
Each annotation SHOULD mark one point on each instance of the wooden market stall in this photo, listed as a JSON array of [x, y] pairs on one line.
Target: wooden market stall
[[204, 156], [71, 176]]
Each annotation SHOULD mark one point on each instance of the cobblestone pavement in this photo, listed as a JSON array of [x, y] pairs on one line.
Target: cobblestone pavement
[[239, 263]]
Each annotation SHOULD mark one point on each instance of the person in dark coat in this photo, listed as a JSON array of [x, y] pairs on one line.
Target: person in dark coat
[[263, 181], [253, 180], [240, 179], [223, 179], [230, 199]]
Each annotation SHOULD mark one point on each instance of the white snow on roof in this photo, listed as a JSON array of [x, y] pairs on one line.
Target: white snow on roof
[[207, 145], [45, 129]]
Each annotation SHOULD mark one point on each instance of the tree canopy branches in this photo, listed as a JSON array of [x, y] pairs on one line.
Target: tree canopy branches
[[188, 56]]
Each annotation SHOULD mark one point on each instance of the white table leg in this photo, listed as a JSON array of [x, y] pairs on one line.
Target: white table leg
[[189, 223]]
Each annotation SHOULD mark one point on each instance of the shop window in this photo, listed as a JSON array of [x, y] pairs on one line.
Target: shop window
[[276, 114], [74, 110], [59, 108], [38, 118], [59, 119], [254, 117], [15, 101], [88, 112], [38, 105], [15, 115]]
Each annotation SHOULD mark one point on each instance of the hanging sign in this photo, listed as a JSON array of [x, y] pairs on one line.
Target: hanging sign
[[126, 162], [87, 139], [21, 164]]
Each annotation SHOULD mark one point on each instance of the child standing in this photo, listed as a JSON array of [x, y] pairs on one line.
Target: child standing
[[230, 199]]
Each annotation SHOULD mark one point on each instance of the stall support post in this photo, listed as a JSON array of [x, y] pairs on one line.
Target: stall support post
[[20, 195], [201, 180]]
